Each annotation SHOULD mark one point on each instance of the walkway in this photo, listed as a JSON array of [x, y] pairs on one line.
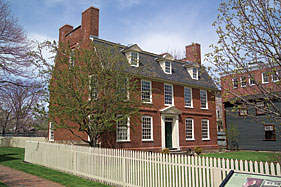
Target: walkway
[[14, 178]]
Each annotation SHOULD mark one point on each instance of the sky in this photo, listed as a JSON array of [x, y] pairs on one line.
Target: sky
[[157, 26]]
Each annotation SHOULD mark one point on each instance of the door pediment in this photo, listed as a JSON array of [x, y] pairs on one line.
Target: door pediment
[[170, 110]]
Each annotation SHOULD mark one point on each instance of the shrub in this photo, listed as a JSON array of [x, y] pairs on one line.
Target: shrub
[[165, 151], [198, 150]]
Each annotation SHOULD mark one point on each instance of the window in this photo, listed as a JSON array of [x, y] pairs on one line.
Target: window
[[275, 76], [188, 97], [51, 131], [195, 73], [243, 111], [72, 57], [260, 108], [168, 92], [134, 59], [205, 129], [168, 68], [203, 99], [122, 133], [252, 80], [269, 132], [146, 95], [147, 133], [93, 92], [243, 81], [189, 129], [264, 76], [235, 82]]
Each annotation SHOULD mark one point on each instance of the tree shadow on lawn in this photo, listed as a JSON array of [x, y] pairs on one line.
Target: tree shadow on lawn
[[7, 157]]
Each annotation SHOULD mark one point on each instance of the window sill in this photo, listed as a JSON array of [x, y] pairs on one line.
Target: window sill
[[147, 140], [120, 141], [265, 82], [207, 139], [204, 108], [188, 107], [51, 140], [243, 86], [145, 102], [168, 105], [269, 140], [190, 139]]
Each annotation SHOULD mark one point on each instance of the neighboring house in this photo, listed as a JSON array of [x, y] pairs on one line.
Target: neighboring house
[[249, 126], [180, 94]]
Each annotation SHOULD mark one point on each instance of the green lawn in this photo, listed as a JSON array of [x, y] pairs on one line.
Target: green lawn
[[3, 185], [247, 155], [13, 158]]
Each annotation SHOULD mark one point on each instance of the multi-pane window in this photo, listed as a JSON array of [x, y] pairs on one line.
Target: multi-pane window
[[269, 132], [235, 82], [72, 57], [93, 88], [243, 81], [243, 111], [134, 59], [146, 95], [195, 73], [188, 97], [265, 77], [260, 108], [203, 99], [168, 68], [122, 131], [252, 80], [205, 129], [147, 128], [275, 76], [168, 92], [189, 129], [51, 131]]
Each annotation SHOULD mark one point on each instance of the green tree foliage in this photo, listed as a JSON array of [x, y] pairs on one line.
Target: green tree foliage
[[92, 90], [249, 34]]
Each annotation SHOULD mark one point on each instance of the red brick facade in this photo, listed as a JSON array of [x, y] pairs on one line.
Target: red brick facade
[[89, 27]]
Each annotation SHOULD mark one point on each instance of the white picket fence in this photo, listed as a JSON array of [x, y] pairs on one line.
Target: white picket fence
[[131, 168]]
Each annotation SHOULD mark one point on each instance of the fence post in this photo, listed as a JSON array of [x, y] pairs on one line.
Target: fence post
[[74, 159], [123, 167], [217, 173]]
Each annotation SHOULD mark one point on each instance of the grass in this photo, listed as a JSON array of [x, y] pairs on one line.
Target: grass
[[13, 158], [247, 155], [3, 185]]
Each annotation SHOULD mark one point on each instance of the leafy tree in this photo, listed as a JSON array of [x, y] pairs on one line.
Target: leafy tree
[[249, 34], [92, 91]]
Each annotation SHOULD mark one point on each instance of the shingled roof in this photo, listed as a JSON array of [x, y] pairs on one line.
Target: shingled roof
[[149, 68]]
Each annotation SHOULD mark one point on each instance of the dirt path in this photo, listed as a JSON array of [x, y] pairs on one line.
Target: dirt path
[[14, 178]]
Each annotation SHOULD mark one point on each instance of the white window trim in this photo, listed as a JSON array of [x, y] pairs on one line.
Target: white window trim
[[138, 59], [191, 98], [170, 67], [207, 106], [233, 82], [147, 140], [263, 77], [250, 82], [172, 95], [51, 129], [208, 129], [150, 93], [277, 74], [128, 132], [196, 78], [193, 138], [242, 82]]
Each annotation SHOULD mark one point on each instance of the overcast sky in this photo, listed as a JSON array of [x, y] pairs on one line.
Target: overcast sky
[[155, 25]]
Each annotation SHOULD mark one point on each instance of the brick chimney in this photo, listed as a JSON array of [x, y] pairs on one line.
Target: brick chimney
[[64, 30], [193, 53], [90, 22]]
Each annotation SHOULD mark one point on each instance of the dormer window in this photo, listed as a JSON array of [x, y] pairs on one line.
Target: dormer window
[[195, 73], [168, 68], [134, 60]]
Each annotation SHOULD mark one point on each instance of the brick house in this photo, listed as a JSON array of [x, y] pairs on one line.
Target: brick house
[[182, 113], [256, 129]]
